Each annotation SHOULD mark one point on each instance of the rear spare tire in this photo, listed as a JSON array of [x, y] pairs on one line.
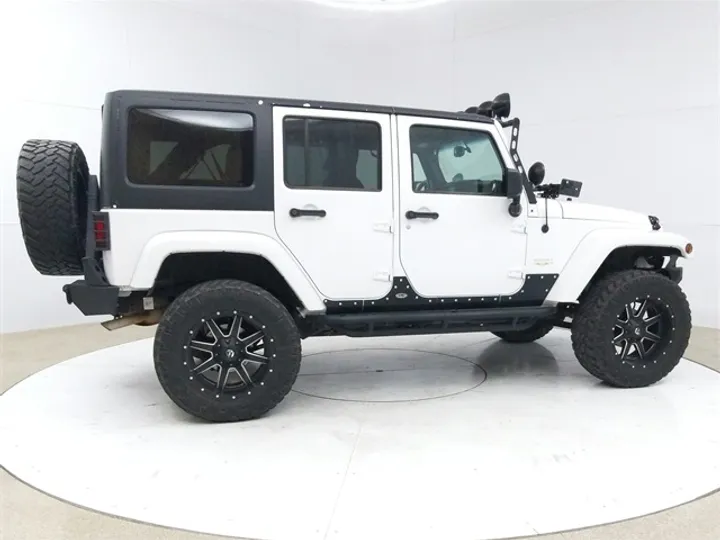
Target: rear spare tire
[[52, 187]]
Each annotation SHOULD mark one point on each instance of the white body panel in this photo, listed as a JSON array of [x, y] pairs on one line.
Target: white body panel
[[474, 248], [595, 246], [548, 253], [143, 239], [348, 253], [593, 212]]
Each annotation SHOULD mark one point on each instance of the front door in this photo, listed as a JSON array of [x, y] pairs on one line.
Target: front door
[[456, 235], [333, 198]]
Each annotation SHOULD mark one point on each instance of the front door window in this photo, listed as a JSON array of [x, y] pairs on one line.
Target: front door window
[[455, 161]]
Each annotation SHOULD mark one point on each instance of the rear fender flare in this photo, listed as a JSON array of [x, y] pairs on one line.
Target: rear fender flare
[[163, 245]]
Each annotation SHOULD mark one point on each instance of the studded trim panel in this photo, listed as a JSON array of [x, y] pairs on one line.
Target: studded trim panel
[[402, 297]]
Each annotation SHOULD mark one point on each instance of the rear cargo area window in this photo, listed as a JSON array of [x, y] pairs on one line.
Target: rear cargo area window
[[169, 147], [332, 154]]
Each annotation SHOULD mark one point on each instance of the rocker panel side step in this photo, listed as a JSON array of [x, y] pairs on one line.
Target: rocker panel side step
[[438, 322]]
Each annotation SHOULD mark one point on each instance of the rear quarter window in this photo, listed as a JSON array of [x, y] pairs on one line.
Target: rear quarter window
[[173, 147]]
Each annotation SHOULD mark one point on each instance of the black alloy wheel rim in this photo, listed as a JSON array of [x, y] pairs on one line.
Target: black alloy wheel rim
[[641, 331], [228, 354]]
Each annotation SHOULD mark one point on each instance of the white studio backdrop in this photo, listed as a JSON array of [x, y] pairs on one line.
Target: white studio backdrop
[[621, 95]]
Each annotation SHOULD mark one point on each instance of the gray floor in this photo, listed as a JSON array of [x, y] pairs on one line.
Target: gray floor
[[28, 514]]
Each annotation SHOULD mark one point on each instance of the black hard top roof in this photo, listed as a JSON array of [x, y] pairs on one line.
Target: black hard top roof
[[190, 97]]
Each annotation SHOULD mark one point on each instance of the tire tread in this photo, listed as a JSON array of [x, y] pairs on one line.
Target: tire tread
[[47, 205], [590, 342], [195, 299]]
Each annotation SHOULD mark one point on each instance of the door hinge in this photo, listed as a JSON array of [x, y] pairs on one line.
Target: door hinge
[[520, 228], [383, 227], [515, 274], [382, 276]]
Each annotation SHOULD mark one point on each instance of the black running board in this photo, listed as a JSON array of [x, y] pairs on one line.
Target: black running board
[[438, 322]]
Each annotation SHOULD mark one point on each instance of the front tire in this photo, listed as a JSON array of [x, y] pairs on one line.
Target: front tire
[[227, 351], [632, 329]]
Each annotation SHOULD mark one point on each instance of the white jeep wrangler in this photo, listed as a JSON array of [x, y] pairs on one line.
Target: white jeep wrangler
[[242, 225]]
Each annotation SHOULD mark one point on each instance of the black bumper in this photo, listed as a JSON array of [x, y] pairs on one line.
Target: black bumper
[[93, 299], [675, 273]]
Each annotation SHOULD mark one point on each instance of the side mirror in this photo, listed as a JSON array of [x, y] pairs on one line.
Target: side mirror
[[514, 184], [514, 190], [536, 173]]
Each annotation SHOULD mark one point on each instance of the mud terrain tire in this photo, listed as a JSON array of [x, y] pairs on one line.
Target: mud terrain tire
[[195, 373], [611, 317], [52, 187]]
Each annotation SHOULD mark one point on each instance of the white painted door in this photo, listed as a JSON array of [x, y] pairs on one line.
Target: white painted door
[[334, 198], [456, 235]]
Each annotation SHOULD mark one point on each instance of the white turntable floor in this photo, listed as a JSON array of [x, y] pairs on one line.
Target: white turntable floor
[[456, 436]]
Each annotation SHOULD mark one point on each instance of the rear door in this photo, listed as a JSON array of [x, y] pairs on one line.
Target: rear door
[[333, 198]]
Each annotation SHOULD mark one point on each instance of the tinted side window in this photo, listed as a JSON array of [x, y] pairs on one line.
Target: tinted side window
[[459, 161], [190, 148], [332, 154]]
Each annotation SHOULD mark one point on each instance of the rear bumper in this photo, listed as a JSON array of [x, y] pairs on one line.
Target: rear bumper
[[93, 295], [93, 299]]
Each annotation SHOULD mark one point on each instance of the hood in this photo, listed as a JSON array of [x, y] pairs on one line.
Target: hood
[[594, 212]]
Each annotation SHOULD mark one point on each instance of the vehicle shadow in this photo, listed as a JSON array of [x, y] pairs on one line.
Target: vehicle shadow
[[508, 360]]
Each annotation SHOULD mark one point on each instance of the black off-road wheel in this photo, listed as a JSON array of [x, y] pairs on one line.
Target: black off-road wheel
[[535, 332], [227, 351], [632, 329], [52, 187]]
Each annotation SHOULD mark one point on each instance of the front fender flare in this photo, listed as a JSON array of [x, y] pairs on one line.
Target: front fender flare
[[592, 251], [161, 246]]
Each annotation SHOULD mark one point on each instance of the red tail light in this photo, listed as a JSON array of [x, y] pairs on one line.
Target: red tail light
[[101, 231]]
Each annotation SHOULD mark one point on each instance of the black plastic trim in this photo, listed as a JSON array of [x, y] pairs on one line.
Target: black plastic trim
[[672, 271], [448, 315], [675, 274], [438, 321], [92, 300], [654, 223], [402, 297], [93, 270]]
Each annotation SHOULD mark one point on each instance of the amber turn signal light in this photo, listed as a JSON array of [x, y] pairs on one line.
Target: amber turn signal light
[[689, 249]]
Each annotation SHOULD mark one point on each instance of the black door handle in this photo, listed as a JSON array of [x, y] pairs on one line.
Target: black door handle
[[412, 214], [297, 212]]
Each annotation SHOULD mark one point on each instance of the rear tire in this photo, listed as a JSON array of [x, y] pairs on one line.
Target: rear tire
[[227, 351], [52, 186], [535, 332], [632, 328]]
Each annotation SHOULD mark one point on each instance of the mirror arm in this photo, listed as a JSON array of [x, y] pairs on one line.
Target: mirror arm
[[515, 207], [515, 183]]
